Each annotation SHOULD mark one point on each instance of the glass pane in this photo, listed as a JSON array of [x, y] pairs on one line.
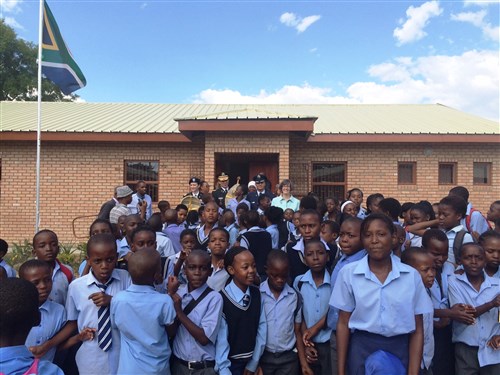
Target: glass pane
[[324, 192], [151, 189], [446, 173], [481, 173], [405, 173], [329, 172], [141, 170]]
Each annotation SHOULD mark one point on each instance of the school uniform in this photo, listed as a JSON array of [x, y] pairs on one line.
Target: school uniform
[[470, 340], [428, 350], [222, 362], [283, 203], [253, 197], [295, 253], [164, 245], [315, 306], [60, 283], [233, 203], [173, 232], [477, 222], [18, 360], [247, 327], [382, 315], [282, 314], [133, 206], [202, 238], [123, 247], [233, 233], [53, 318], [11, 272], [141, 314], [259, 243], [217, 280], [90, 358], [275, 235], [451, 234], [362, 213], [189, 353]]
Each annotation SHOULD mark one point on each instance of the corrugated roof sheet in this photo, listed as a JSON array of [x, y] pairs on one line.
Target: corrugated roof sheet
[[162, 118]]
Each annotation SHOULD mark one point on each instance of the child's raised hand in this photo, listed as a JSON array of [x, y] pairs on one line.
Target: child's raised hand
[[100, 299], [184, 254], [172, 285], [87, 334], [494, 342]]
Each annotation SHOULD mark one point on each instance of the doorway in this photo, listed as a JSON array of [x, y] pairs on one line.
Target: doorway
[[247, 166]]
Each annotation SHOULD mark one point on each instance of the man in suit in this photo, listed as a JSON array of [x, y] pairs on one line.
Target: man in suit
[[107, 207], [260, 184], [220, 194]]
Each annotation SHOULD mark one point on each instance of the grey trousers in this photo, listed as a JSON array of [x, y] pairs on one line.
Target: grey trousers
[[285, 363], [180, 369], [467, 363]]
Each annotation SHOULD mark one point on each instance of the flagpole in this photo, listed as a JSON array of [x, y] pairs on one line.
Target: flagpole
[[39, 125]]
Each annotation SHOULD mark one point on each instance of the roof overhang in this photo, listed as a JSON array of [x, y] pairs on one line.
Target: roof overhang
[[94, 137], [404, 138]]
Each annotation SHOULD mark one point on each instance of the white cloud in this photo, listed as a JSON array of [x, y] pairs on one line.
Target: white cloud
[[10, 6], [417, 19], [424, 80], [10, 21], [482, 3], [477, 19], [298, 23]]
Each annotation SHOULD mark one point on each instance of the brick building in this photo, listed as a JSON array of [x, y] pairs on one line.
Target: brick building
[[409, 152]]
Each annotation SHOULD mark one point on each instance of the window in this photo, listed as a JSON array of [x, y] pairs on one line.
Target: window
[[482, 174], [329, 180], [143, 170], [447, 174], [407, 173]]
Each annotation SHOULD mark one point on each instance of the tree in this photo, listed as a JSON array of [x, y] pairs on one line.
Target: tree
[[18, 70]]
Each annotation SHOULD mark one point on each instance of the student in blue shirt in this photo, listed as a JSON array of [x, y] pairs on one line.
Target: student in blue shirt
[[4, 247], [352, 251], [315, 289], [218, 243], [476, 289], [423, 262], [141, 314], [229, 220], [243, 312], [356, 196], [283, 307], [199, 311], [273, 216], [381, 302], [18, 314], [490, 242], [210, 217]]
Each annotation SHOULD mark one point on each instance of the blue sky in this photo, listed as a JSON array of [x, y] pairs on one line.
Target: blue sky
[[280, 51]]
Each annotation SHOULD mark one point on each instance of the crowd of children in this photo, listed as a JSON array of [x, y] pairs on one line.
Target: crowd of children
[[321, 288]]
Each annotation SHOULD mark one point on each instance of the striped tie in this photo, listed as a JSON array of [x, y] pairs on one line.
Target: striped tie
[[104, 336], [246, 300]]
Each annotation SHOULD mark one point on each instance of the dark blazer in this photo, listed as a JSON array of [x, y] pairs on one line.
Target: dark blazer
[[220, 197], [253, 198], [106, 209]]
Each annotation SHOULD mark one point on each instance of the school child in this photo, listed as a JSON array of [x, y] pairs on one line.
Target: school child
[[239, 197], [229, 222], [493, 215], [372, 203], [131, 222], [89, 298], [4, 247], [120, 227], [392, 208], [352, 251], [46, 248], [423, 262], [476, 289], [163, 244], [295, 229], [381, 301], [405, 212], [417, 215], [163, 206], [283, 308], [330, 233], [264, 202], [53, 315], [210, 216], [399, 241], [286, 229], [199, 311], [315, 289], [141, 315], [182, 212], [19, 312], [490, 242], [172, 230], [356, 196], [243, 312], [218, 243], [98, 226], [188, 243], [436, 243], [332, 209], [241, 209], [473, 220], [451, 211], [272, 217], [347, 209], [310, 228]]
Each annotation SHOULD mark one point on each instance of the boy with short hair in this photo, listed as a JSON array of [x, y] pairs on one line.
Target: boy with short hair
[[473, 221], [452, 210], [141, 314], [482, 293], [272, 217], [283, 308], [131, 222], [172, 229], [199, 311], [46, 248], [229, 221], [163, 244], [182, 212], [211, 217], [18, 314]]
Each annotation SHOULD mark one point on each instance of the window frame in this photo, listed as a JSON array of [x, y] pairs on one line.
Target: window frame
[[413, 172], [328, 183], [454, 172], [149, 183], [489, 173]]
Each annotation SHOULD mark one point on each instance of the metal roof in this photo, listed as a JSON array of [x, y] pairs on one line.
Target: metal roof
[[163, 118]]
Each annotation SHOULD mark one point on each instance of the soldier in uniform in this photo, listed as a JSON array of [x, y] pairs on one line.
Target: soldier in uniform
[[220, 194], [260, 184], [194, 188]]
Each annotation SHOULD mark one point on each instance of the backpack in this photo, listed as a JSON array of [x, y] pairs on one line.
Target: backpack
[[469, 217], [67, 272]]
